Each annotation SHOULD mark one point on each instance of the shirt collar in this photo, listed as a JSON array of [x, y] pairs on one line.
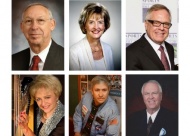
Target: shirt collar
[[153, 116], [42, 54], [154, 45]]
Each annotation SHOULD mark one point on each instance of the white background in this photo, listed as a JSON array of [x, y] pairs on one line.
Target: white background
[[183, 55]]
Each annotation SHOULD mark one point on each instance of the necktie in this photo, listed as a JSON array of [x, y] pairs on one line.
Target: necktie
[[35, 61], [164, 58], [149, 125]]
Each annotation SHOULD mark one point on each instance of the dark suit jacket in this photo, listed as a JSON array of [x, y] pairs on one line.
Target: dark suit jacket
[[137, 123], [141, 56], [54, 59]]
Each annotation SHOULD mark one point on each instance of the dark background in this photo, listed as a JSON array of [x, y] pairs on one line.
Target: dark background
[[134, 100]]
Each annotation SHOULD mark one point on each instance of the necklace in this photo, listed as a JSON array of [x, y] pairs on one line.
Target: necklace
[[96, 49]]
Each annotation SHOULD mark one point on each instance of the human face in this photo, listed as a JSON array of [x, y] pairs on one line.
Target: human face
[[37, 33], [95, 26], [46, 100], [158, 34], [152, 97], [100, 93]]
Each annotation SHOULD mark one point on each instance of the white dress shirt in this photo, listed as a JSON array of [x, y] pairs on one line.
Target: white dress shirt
[[42, 55], [156, 48], [153, 116]]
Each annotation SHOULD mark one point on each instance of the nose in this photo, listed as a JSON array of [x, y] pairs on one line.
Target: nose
[[42, 102], [34, 25], [150, 95], [96, 25], [161, 26], [100, 94]]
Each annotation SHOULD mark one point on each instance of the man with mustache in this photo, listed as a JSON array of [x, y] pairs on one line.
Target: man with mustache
[[154, 120], [43, 53], [151, 51], [97, 113]]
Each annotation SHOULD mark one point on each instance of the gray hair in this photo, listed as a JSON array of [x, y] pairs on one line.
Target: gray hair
[[100, 79], [152, 81], [157, 7], [37, 4]]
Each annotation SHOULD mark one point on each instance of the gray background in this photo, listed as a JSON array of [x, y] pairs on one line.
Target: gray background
[[19, 42], [112, 36]]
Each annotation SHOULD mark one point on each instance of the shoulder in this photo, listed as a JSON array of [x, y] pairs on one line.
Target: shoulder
[[105, 45], [56, 46], [168, 45], [22, 53], [137, 115], [111, 105], [167, 113], [77, 45], [137, 44]]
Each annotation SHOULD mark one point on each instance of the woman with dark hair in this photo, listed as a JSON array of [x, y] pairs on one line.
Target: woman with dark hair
[[91, 53]]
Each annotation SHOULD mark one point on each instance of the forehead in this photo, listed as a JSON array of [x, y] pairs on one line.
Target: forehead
[[43, 91], [96, 16], [160, 14], [151, 87], [100, 85], [36, 10]]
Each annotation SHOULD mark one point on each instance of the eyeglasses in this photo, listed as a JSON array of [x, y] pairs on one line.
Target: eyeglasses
[[39, 21], [158, 23]]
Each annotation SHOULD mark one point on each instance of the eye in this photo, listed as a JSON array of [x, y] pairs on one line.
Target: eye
[[41, 21], [91, 22], [38, 99], [47, 97], [101, 22], [156, 22], [28, 21]]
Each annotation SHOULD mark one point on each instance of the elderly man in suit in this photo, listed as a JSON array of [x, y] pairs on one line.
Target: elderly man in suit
[[43, 53], [151, 51], [154, 120]]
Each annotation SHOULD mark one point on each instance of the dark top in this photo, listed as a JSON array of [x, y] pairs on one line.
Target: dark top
[[165, 119], [141, 56], [58, 131], [54, 59]]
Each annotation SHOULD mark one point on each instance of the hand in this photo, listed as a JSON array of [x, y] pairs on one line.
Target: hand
[[77, 134], [23, 120]]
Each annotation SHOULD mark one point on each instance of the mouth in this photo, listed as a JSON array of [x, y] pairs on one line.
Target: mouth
[[96, 31], [45, 107]]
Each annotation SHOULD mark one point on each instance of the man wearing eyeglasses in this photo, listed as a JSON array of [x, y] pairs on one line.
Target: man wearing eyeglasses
[[154, 120], [151, 51], [43, 53]]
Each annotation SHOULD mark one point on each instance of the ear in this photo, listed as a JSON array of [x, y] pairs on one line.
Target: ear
[[53, 24], [145, 24], [21, 26]]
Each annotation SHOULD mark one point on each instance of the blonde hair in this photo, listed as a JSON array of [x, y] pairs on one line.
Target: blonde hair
[[48, 82]]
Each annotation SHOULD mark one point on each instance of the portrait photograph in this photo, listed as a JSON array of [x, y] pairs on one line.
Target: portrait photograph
[[108, 35], [99, 93], [142, 35], [38, 105], [37, 35], [155, 96]]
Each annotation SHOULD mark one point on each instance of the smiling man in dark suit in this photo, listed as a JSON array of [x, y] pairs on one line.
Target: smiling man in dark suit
[[154, 120], [43, 53], [151, 51]]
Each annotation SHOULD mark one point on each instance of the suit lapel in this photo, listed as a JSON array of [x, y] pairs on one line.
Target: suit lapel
[[150, 53], [156, 127], [171, 55], [50, 57], [25, 64]]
